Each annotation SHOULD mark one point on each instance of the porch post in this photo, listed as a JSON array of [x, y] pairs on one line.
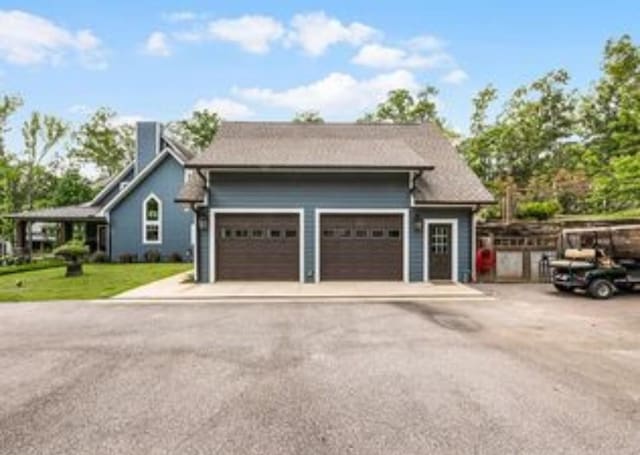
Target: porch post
[[67, 231]]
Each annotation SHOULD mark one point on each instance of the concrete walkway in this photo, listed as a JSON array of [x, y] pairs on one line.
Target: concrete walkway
[[174, 288]]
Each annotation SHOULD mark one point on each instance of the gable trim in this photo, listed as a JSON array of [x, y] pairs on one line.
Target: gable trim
[[112, 183]]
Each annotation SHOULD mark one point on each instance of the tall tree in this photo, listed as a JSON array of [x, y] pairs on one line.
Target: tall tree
[[308, 117], [41, 133], [531, 135], [198, 131], [9, 104], [102, 143], [610, 116]]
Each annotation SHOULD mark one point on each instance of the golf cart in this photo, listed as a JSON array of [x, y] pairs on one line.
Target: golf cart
[[599, 260]]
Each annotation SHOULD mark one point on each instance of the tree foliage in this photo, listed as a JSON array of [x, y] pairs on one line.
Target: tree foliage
[[71, 188], [102, 143], [198, 131], [9, 104], [308, 117], [582, 150]]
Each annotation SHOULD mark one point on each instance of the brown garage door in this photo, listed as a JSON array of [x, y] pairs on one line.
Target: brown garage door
[[257, 247], [361, 247]]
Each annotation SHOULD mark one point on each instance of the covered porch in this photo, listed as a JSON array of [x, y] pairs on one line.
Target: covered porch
[[71, 222]]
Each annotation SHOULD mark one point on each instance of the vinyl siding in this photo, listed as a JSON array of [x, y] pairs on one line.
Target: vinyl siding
[[126, 217]]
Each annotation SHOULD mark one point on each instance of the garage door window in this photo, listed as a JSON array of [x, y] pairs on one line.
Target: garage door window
[[393, 233]]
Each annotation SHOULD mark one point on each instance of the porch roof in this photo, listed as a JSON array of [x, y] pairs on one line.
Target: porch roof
[[68, 213]]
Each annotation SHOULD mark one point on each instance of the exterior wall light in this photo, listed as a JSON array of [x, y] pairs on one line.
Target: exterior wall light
[[417, 222], [203, 222]]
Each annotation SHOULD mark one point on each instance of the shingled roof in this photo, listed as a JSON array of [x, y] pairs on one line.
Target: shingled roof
[[68, 213], [192, 190], [299, 145], [350, 145]]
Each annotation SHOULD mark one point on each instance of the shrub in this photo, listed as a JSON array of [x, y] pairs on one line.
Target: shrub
[[152, 256], [539, 210], [73, 250], [127, 258], [175, 257], [99, 257]]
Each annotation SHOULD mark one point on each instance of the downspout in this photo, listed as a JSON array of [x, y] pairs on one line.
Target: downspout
[[196, 242]]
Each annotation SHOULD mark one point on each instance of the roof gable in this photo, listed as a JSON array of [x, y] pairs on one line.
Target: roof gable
[[141, 176]]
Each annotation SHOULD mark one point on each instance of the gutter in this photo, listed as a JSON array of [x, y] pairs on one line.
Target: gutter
[[259, 167]]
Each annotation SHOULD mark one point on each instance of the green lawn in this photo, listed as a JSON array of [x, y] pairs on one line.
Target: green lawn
[[98, 281]]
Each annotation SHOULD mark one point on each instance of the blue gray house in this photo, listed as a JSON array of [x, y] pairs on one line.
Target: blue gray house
[[286, 201], [316, 202], [135, 213]]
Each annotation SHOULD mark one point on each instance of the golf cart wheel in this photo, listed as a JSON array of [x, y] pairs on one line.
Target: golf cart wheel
[[562, 288], [601, 289]]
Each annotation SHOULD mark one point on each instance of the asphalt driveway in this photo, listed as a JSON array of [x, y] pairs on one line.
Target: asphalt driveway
[[531, 372]]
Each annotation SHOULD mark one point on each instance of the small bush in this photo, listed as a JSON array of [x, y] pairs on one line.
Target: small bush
[[73, 250], [99, 257], [175, 257], [538, 210], [127, 258], [152, 256]]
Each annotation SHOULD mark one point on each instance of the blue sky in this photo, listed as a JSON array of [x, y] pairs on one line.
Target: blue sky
[[264, 61]]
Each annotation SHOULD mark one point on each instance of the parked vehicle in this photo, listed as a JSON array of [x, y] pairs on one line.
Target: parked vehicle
[[601, 261]]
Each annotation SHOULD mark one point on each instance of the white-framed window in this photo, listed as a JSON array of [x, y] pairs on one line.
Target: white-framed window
[[152, 219]]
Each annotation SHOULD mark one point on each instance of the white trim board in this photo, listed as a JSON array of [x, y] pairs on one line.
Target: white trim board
[[405, 233], [454, 246], [146, 222], [212, 233]]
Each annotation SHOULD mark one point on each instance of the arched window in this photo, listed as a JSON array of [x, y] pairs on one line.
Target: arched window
[[152, 220]]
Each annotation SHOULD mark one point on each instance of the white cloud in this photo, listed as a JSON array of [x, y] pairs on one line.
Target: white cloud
[[27, 39], [378, 56], [455, 77], [252, 33], [337, 94], [157, 45], [226, 108], [180, 16], [426, 43], [315, 32]]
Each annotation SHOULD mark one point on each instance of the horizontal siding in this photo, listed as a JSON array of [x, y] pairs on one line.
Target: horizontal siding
[[309, 191], [416, 257], [126, 218]]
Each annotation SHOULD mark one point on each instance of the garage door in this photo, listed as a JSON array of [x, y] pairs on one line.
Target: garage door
[[361, 247], [257, 247]]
